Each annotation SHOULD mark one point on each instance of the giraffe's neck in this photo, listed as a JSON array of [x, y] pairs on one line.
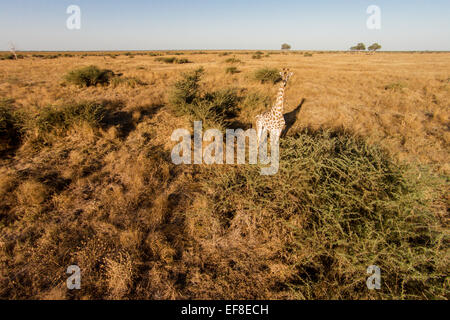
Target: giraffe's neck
[[279, 104]]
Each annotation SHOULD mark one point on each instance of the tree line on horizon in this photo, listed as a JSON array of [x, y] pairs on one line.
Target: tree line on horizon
[[362, 47], [359, 47]]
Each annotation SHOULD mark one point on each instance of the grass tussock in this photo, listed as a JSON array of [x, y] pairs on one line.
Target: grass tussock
[[53, 122], [233, 60], [110, 253], [132, 82], [62, 117]]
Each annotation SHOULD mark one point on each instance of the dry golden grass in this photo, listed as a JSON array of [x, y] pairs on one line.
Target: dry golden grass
[[341, 89], [107, 197]]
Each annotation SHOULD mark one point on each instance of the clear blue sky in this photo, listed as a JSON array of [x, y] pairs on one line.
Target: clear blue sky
[[224, 24]]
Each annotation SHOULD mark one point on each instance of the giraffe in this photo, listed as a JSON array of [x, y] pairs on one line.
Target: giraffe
[[273, 120]]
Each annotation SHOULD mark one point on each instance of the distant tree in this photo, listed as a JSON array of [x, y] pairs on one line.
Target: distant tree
[[359, 47], [285, 46], [374, 47]]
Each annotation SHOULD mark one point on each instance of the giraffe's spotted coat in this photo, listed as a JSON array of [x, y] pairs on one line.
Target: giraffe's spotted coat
[[273, 119]]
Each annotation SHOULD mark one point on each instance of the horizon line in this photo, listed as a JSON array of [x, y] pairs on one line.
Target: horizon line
[[280, 50]]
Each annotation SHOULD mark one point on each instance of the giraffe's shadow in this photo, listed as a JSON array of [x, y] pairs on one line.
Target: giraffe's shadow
[[291, 118]]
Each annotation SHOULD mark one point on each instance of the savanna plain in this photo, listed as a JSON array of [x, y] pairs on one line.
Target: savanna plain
[[86, 176]]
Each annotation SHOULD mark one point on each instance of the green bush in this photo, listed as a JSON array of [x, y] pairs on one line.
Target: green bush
[[257, 56], [166, 59], [233, 60], [186, 98], [47, 56], [267, 75], [172, 60], [182, 61], [186, 90], [224, 102], [90, 76], [339, 205]]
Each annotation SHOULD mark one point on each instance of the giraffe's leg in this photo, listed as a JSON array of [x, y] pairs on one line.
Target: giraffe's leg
[[279, 131], [275, 134], [262, 135], [263, 148]]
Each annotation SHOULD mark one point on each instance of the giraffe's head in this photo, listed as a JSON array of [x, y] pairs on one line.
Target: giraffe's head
[[286, 74]]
